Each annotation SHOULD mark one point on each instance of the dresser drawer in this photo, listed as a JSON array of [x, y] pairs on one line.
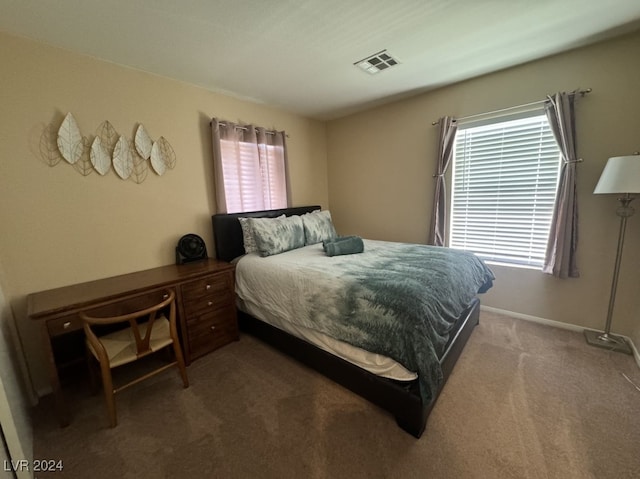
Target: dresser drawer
[[207, 305], [215, 285], [64, 325], [209, 295], [72, 322], [212, 331]]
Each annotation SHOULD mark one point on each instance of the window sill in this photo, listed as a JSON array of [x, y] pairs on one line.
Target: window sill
[[514, 265]]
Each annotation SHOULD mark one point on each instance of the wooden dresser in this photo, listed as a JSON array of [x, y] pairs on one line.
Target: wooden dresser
[[205, 301], [207, 313]]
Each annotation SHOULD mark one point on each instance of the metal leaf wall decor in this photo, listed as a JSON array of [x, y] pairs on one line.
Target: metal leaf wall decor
[[83, 164], [130, 159], [122, 160], [140, 169], [70, 139], [49, 146], [143, 142], [100, 157], [158, 162], [168, 153], [108, 136]]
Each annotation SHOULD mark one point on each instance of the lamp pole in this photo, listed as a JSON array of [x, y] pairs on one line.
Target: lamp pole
[[606, 339]]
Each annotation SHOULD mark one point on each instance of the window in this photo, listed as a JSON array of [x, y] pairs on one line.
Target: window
[[505, 176], [254, 176], [250, 168]]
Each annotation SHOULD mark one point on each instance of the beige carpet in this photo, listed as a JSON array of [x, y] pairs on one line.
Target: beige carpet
[[524, 401]]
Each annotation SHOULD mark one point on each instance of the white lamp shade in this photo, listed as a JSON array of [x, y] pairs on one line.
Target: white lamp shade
[[621, 174]]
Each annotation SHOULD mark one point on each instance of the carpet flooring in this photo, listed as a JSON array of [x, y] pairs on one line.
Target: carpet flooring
[[524, 401]]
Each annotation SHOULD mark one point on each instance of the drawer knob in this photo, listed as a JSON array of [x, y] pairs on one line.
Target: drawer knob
[[208, 286], [210, 303], [212, 328], [66, 325]]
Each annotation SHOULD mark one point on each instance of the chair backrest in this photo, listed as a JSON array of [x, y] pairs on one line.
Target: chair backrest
[[142, 340]]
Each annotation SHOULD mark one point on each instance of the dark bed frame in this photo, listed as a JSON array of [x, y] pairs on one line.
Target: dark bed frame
[[402, 399]]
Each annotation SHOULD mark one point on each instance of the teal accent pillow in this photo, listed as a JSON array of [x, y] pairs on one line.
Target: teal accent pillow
[[277, 235], [343, 245], [318, 227], [248, 238]]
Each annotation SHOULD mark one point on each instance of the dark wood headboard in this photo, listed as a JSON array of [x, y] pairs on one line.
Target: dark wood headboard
[[227, 233]]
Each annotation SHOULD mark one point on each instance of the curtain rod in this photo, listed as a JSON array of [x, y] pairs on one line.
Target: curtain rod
[[579, 92], [240, 127]]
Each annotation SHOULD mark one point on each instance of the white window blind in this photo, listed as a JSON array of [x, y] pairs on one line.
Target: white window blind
[[274, 177], [504, 182], [254, 176]]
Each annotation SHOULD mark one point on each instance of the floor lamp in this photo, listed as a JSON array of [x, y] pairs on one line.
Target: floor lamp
[[621, 175]]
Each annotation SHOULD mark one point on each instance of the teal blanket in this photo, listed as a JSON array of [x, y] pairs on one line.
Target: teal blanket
[[395, 299]]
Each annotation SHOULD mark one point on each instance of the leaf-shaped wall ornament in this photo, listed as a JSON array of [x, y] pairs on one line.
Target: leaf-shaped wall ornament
[[158, 162], [49, 146], [100, 157], [143, 142], [108, 136], [168, 153], [83, 165], [70, 139], [122, 160], [140, 168]]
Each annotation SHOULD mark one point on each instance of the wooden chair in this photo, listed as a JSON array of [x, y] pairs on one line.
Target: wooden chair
[[149, 331]]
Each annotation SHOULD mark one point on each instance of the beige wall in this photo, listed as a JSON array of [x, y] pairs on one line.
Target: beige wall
[[14, 403], [381, 164], [59, 227]]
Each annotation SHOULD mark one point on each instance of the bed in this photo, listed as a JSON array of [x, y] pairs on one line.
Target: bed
[[409, 393]]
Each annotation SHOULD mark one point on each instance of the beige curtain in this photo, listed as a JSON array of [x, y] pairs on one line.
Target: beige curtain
[[560, 258], [446, 141], [250, 168]]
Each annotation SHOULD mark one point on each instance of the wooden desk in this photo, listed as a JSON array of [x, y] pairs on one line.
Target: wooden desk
[[205, 303]]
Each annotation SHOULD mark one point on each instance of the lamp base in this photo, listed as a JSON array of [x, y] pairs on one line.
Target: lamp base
[[607, 341]]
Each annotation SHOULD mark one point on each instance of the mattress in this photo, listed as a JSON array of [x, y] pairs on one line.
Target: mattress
[[374, 363]]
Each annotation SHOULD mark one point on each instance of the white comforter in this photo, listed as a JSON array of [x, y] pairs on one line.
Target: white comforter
[[264, 287]]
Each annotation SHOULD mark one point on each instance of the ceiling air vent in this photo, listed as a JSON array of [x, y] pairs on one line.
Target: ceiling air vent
[[376, 62]]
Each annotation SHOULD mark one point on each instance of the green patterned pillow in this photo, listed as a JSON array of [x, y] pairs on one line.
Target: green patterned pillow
[[277, 235], [248, 238], [318, 227]]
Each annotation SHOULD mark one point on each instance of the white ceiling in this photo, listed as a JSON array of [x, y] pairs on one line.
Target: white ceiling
[[298, 55]]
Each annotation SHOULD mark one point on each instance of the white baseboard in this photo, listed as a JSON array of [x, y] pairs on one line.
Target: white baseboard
[[557, 324]]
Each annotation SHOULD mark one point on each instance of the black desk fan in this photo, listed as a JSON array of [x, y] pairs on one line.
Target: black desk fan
[[190, 248]]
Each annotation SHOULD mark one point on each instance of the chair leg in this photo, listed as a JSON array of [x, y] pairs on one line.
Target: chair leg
[[91, 366], [107, 385], [180, 360]]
